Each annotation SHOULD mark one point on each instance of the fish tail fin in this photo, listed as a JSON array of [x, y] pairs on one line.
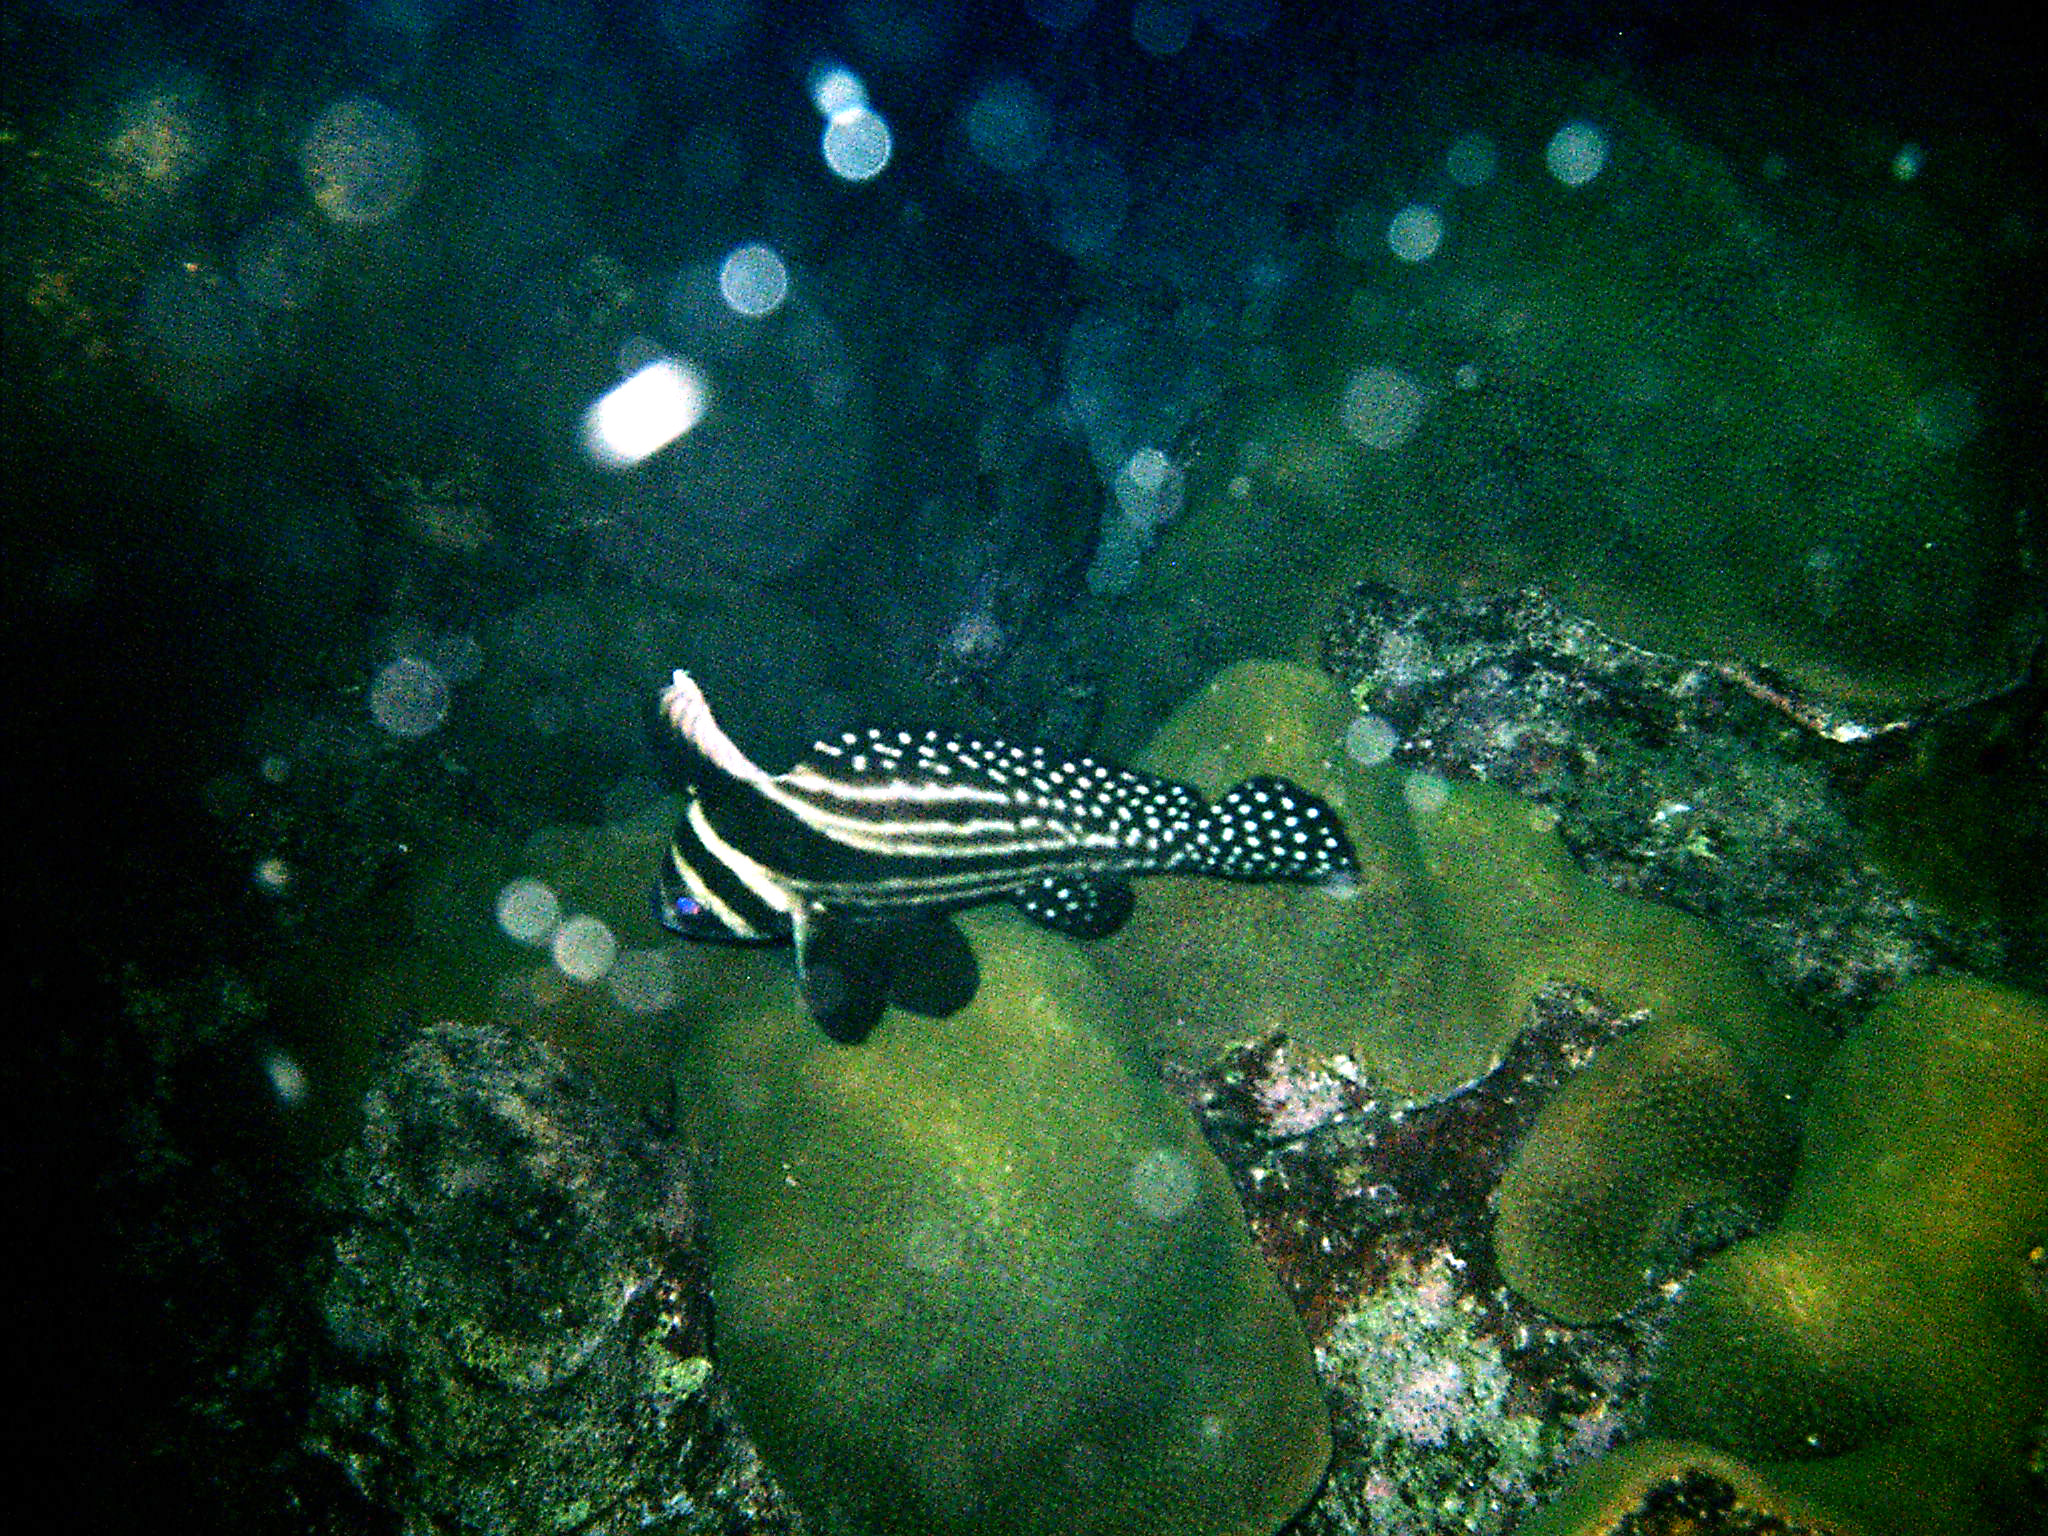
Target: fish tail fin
[[1270, 828], [688, 713]]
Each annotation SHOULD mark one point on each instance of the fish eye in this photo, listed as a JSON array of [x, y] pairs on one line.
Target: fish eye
[[679, 912]]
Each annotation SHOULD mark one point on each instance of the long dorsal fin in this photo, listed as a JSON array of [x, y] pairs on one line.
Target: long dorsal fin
[[685, 708]]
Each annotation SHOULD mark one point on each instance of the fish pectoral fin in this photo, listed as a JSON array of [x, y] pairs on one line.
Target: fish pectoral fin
[[843, 968], [936, 973], [850, 968], [1087, 907]]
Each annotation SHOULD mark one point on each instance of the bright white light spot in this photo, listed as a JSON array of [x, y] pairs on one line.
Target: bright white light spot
[[1576, 153], [753, 281], [1426, 794], [643, 414], [1907, 163], [273, 877], [837, 92], [287, 1079], [410, 698], [857, 145], [1382, 406], [361, 161], [529, 912], [1163, 1183], [1370, 740], [1008, 127], [1415, 233], [1162, 27], [644, 980], [1471, 160], [584, 948]]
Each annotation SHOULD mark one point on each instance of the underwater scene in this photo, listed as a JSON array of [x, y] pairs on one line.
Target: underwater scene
[[1051, 768]]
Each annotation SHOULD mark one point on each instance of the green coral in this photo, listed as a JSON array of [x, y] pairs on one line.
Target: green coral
[[1877, 1365], [981, 1274], [1888, 1341], [1695, 1488], [1643, 392], [1677, 1135], [1465, 904]]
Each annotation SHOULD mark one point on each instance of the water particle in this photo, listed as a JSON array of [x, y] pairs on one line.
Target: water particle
[[1382, 406], [410, 698], [584, 948], [1370, 739], [1415, 233], [1425, 793], [1163, 1183], [1471, 160], [753, 280], [644, 980], [529, 911], [1576, 153], [361, 161]]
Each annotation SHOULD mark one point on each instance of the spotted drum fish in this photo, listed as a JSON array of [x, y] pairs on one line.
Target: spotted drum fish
[[861, 850]]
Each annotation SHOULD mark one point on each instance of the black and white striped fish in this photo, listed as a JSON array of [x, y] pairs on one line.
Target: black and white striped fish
[[861, 850]]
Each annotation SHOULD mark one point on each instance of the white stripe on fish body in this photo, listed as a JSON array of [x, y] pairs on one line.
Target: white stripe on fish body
[[771, 889], [702, 893], [962, 885], [1120, 812], [975, 842], [804, 778], [687, 710]]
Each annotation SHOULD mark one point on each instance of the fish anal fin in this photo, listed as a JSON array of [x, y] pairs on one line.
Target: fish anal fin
[[936, 973], [1084, 906], [844, 968]]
